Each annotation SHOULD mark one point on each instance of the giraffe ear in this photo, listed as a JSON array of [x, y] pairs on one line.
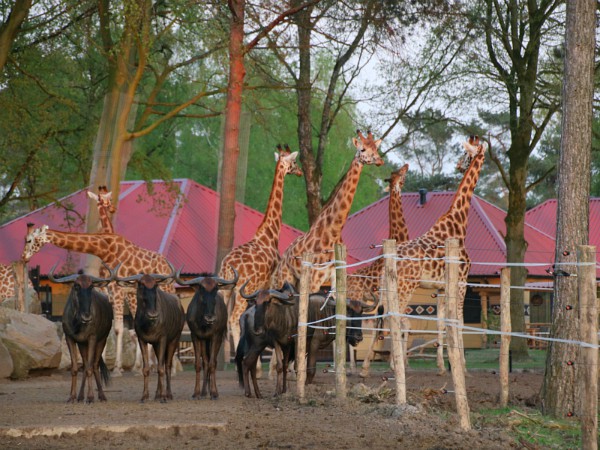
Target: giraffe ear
[[377, 143], [276, 156], [293, 156], [356, 142], [92, 195]]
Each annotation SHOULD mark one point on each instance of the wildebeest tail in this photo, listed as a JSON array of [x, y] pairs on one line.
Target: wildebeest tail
[[104, 372], [239, 358]]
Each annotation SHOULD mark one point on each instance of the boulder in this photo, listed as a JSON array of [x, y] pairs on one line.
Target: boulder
[[6, 364], [31, 340]]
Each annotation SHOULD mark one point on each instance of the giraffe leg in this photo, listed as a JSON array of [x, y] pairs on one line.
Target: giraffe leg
[[118, 369]]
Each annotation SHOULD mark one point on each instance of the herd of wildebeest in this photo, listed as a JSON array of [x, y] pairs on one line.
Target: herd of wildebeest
[[271, 317]]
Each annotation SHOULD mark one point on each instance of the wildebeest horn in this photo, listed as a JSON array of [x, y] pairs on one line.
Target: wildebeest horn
[[96, 281], [67, 279], [285, 298], [223, 281], [198, 280], [248, 296]]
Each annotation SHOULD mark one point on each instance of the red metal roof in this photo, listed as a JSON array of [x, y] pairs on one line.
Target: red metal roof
[[179, 221], [485, 231]]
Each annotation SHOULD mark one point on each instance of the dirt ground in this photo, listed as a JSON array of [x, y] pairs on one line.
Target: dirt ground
[[367, 418]]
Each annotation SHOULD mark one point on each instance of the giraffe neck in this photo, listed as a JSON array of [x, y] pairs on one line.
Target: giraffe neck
[[454, 222], [94, 244], [333, 216], [107, 226], [398, 228], [270, 226]]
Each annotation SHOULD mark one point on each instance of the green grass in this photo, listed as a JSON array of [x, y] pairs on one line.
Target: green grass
[[533, 428]]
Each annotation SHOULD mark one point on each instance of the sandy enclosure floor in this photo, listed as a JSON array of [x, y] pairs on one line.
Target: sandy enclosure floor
[[367, 418]]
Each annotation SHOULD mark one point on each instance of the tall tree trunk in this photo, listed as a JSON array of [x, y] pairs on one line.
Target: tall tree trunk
[[231, 149], [516, 247], [313, 174], [561, 391], [10, 28]]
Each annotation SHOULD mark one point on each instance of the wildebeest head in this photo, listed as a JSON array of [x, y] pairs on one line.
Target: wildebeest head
[[354, 312], [206, 288], [263, 298], [147, 290], [82, 291]]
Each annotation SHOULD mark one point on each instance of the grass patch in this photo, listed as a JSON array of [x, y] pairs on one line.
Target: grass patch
[[532, 428]]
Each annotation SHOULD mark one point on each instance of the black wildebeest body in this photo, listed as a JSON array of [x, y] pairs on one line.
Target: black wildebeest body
[[319, 338], [207, 320], [86, 321], [272, 321], [159, 321]]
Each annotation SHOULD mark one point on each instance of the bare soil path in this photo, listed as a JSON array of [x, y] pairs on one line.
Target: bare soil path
[[367, 419]]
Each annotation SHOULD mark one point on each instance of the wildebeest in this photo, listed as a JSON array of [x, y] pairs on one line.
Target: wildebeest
[[321, 307], [159, 321], [207, 320], [271, 321], [86, 321]]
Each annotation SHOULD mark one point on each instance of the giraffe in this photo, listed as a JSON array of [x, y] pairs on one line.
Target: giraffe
[[363, 284], [256, 259], [112, 249], [8, 282], [421, 260], [326, 231], [105, 208], [365, 281]]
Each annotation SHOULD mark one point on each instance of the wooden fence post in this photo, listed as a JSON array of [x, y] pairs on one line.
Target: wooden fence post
[[340, 324], [588, 322], [454, 352], [441, 327], [302, 327], [505, 327], [391, 294]]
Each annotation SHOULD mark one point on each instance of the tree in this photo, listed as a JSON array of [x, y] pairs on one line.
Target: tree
[[515, 34], [231, 150], [561, 391], [9, 27]]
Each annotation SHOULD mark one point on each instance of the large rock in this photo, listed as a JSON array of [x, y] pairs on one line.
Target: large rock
[[6, 364], [31, 340]]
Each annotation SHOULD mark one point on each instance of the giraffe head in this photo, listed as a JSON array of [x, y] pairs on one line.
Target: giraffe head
[[473, 147], [367, 149], [396, 180], [34, 241], [103, 198], [288, 159]]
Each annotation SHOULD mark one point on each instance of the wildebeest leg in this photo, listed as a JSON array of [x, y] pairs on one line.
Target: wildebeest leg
[[97, 356], [311, 363], [204, 352], [145, 369], [279, 355], [198, 365], [286, 363], [160, 349], [249, 370], [214, 354], [171, 348], [74, 367], [84, 350], [88, 368]]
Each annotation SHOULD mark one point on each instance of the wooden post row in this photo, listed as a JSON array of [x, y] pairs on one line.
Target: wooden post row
[[588, 322], [454, 352], [505, 327], [340, 324], [302, 327], [391, 295]]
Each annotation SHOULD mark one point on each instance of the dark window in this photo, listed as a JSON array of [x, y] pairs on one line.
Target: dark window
[[472, 307]]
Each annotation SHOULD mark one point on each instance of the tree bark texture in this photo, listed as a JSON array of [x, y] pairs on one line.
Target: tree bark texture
[[10, 28], [561, 390], [313, 174], [231, 148]]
